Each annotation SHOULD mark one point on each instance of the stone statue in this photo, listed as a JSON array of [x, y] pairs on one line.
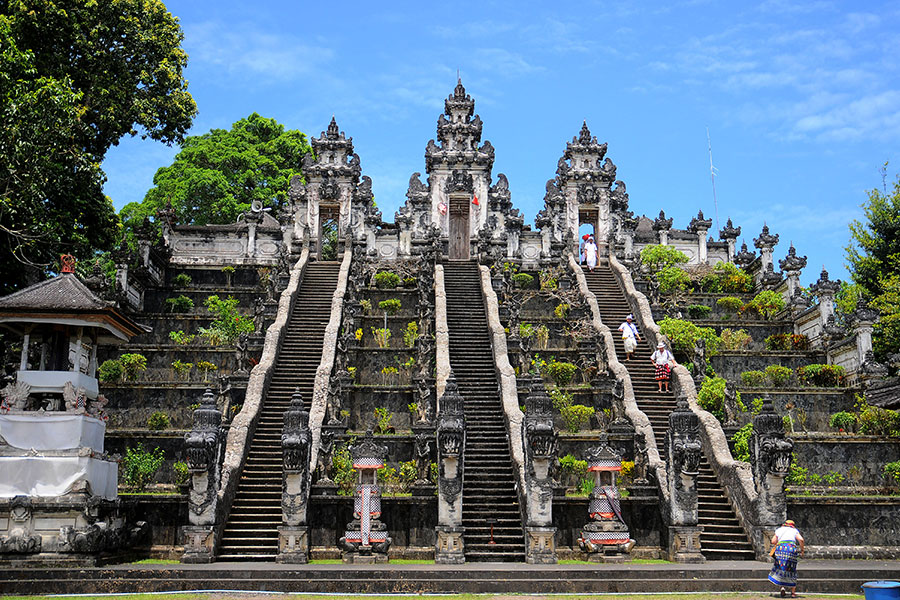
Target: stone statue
[[324, 466], [423, 459], [730, 405], [641, 460], [259, 314], [699, 360], [241, 355]]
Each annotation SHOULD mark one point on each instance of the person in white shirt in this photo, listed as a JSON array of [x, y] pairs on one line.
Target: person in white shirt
[[590, 253], [662, 360], [787, 547], [630, 336]]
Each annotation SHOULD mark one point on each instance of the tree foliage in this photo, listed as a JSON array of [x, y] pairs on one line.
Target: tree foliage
[[75, 76], [217, 175], [874, 263]]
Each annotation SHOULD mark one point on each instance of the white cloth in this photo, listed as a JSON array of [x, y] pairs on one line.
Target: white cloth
[[51, 476], [590, 254], [787, 534], [52, 431], [661, 356]]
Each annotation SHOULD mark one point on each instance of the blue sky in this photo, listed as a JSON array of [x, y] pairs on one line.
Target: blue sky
[[802, 99]]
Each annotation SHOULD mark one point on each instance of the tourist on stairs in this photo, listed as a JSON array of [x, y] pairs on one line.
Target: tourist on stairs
[[787, 547], [590, 253], [630, 336], [663, 360]]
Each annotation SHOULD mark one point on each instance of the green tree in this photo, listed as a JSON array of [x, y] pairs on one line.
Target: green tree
[[874, 263], [217, 175], [75, 76]]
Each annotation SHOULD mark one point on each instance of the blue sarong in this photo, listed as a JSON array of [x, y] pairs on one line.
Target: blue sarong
[[784, 572]]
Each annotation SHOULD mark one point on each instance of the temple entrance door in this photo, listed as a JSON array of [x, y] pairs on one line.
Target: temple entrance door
[[459, 228], [329, 219]]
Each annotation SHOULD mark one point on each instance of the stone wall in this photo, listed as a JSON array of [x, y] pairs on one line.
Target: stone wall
[[641, 514], [860, 459], [848, 527]]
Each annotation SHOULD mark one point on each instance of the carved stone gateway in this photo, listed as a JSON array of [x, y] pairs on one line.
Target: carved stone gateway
[[684, 466], [451, 440]]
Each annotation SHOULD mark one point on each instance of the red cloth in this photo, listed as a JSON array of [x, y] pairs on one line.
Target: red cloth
[[662, 372], [475, 200]]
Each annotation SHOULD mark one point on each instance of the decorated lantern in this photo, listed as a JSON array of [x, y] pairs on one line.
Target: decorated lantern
[[605, 537], [366, 538]]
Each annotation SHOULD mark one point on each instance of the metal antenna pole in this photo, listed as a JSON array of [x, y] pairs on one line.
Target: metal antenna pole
[[712, 176]]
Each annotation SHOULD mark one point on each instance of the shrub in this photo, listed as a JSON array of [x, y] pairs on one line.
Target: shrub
[[560, 398], [205, 367], [386, 280], [673, 279], [574, 468], [342, 470], [228, 270], [387, 372], [228, 324], [391, 306], [411, 334], [683, 334], [523, 280], [658, 257], [409, 282], [711, 396], [358, 334], [562, 310], [733, 279], [181, 338], [735, 340], [179, 304], [742, 443], [383, 418], [111, 370], [158, 421], [843, 421], [182, 472], [133, 364], [891, 472], [730, 304], [779, 376], [873, 420], [576, 416], [408, 473], [787, 341], [382, 336], [139, 466], [182, 280], [821, 375], [766, 304], [753, 379], [366, 305], [698, 311], [181, 368], [561, 372], [549, 280]]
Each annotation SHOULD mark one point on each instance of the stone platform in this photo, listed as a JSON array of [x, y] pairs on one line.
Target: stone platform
[[816, 576]]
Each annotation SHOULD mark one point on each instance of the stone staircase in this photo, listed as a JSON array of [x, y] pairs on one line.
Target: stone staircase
[[489, 492], [722, 538], [251, 533]]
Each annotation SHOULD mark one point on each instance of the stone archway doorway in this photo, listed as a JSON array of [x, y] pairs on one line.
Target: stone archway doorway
[[329, 234], [459, 228]]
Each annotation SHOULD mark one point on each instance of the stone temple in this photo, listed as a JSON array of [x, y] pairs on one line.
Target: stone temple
[[451, 385]]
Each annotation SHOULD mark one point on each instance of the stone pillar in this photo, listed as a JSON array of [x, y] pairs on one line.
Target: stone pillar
[[662, 225], [684, 466], [766, 244], [791, 265], [293, 538], [770, 459], [451, 440], [700, 226], [730, 234], [863, 322], [540, 441], [825, 289], [202, 445]]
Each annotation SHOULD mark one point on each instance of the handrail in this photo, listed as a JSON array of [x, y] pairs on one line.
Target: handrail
[[637, 417], [323, 372], [441, 335]]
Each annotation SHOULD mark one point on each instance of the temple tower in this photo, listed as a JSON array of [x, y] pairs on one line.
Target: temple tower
[[334, 201]]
